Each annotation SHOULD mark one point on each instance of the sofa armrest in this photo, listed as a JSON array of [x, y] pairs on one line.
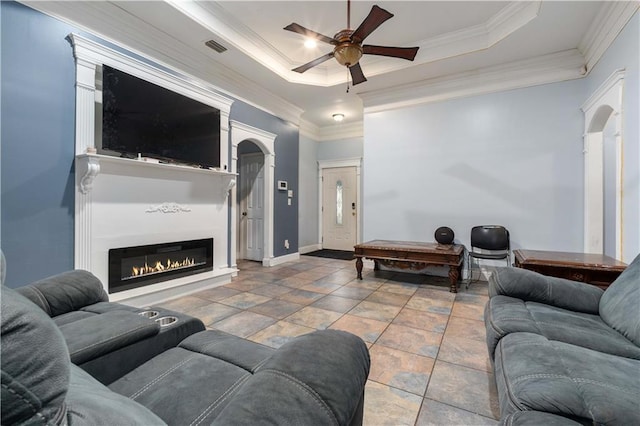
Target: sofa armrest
[[318, 378], [65, 292], [99, 335], [534, 287]]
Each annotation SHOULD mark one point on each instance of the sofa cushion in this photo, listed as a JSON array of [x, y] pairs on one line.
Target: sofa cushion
[[65, 292], [534, 373], [183, 387], [34, 380], [620, 303], [99, 335], [505, 315], [536, 418]]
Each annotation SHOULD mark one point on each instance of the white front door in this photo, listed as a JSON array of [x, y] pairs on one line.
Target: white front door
[[339, 198], [252, 206]]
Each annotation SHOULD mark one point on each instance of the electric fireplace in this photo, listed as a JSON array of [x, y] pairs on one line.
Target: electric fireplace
[[133, 267]]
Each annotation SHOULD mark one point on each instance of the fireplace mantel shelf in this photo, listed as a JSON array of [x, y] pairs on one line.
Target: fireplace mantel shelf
[[92, 162]]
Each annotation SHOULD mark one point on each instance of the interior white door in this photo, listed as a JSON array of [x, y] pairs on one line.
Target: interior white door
[[252, 206], [339, 198]]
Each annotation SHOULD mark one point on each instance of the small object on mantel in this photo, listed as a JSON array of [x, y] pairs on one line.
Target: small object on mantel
[[91, 150]]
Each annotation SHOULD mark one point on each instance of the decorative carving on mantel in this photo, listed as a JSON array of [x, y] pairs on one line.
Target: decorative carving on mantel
[[93, 169], [168, 208], [230, 184]]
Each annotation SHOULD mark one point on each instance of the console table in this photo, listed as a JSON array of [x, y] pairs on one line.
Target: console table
[[596, 269], [411, 255]]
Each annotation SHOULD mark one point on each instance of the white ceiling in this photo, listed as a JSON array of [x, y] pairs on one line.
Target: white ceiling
[[457, 39]]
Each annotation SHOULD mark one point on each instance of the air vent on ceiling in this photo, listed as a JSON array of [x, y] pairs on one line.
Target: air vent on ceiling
[[215, 46]]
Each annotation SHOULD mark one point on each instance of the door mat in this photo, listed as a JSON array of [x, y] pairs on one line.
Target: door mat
[[332, 254]]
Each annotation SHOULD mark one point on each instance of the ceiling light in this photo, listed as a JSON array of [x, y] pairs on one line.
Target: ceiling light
[[310, 43], [338, 117]]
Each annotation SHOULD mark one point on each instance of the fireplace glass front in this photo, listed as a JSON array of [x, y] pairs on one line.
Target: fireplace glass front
[[133, 267]]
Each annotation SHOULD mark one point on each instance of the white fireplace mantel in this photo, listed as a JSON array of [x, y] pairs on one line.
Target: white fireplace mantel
[[123, 202]]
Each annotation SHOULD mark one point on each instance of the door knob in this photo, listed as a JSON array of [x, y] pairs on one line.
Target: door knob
[[244, 213]]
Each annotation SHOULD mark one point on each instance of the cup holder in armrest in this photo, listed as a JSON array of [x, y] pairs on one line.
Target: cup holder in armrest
[[148, 314], [166, 321]]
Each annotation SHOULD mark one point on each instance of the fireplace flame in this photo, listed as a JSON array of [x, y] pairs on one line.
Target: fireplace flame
[[147, 269]]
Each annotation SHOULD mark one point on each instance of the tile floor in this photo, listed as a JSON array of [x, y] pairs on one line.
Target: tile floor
[[429, 361]]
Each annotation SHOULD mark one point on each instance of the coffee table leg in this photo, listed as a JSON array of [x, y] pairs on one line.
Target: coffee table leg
[[453, 277], [359, 267]]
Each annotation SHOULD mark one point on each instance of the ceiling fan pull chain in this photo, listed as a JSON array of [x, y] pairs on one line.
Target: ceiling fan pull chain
[[348, 79]]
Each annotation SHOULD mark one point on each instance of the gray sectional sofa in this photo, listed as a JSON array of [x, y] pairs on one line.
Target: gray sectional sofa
[[187, 376], [565, 352]]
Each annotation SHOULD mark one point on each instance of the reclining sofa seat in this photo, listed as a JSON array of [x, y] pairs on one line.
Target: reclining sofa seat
[[211, 378], [565, 349], [104, 338]]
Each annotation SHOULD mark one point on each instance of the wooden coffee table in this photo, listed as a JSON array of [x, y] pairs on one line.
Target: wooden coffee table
[[595, 269], [411, 255]]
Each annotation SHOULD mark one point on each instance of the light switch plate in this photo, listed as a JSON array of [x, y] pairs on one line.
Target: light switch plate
[[290, 193]]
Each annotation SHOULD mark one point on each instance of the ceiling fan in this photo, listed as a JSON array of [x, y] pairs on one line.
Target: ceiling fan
[[348, 44]]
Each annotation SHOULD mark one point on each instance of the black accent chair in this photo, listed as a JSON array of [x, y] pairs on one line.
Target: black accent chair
[[488, 242]]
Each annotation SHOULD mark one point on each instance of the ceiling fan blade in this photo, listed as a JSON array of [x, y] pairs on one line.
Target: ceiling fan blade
[[296, 28], [357, 76], [376, 17], [408, 53], [317, 61]]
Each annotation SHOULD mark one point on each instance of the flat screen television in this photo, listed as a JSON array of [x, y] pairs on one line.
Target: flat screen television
[[139, 117]]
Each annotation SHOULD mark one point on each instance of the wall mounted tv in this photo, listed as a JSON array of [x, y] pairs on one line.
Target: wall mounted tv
[[139, 117]]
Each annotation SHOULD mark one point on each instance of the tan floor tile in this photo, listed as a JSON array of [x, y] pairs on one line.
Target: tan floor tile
[[321, 286], [384, 405], [469, 311], [388, 298], [399, 288], [302, 297], [367, 329], [423, 320], [217, 293], [467, 352], [436, 293], [314, 317], [295, 282], [244, 300], [469, 329], [428, 304], [420, 342], [434, 413], [353, 292], [279, 333], [213, 312], [377, 311], [335, 303], [276, 308], [399, 369], [271, 290], [243, 324], [368, 284], [185, 304], [465, 388], [245, 285]]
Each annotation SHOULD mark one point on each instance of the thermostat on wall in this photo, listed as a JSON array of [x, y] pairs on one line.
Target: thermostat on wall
[[282, 185]]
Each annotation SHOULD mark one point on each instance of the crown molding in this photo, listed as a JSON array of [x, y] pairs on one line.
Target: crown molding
[[331, 133], [478, 37], [561, 66], [156, 47], [611, 19]]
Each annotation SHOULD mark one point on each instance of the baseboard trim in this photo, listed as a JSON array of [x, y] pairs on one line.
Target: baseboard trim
[[309, 248], [281, 259]]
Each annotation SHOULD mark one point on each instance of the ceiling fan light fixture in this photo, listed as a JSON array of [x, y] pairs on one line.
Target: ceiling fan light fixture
[[338, 117], [310, 43], [347, 54]]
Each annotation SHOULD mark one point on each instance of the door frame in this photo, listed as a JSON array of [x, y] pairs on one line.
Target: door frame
[[603, 104], [242, 249], [265, 141], [332, 164]]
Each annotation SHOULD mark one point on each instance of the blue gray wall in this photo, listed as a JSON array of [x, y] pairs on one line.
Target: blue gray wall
[[285, 225], [37, 147], [512, 158], [38, 119], [308, 194]]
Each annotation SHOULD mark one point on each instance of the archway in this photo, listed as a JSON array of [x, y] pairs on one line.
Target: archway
[[265, 141], [603, 111]]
